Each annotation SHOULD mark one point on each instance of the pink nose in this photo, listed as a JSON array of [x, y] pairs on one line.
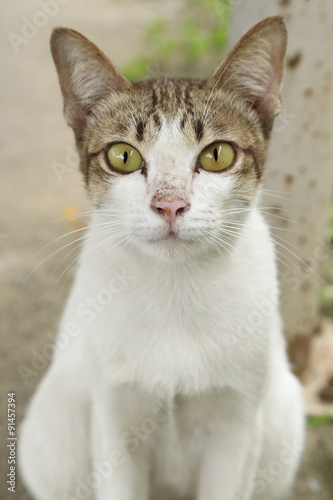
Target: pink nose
[[170, 209]]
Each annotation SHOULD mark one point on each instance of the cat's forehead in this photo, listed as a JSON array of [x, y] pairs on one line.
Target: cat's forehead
[[172, 96], [145, 112], [180, 111], [172, 102]]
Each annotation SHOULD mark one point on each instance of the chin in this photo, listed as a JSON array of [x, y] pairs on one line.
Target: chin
[[172, 248]]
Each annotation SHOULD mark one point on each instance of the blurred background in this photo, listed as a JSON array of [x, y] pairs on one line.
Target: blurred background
[[43, 198]]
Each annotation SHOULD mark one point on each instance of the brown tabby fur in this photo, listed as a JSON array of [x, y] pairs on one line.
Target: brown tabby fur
[[229, 104]]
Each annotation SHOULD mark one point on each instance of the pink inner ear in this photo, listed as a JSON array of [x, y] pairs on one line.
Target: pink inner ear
[[85, 75], [270, 102], [253, 69], [267, 81], [74, 106]]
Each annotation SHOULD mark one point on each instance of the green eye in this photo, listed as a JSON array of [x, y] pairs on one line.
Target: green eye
[[217, 156], [124, 158]]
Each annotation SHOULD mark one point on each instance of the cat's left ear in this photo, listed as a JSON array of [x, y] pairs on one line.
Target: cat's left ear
[[253, 69], [86, 75]]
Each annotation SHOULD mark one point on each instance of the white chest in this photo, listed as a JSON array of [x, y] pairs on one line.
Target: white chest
[[180, 328]]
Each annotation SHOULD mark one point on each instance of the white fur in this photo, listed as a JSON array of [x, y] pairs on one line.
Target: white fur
[[174, 380]]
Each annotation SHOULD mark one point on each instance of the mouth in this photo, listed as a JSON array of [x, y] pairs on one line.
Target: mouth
[[172, 244], [170, 240], [171, 236]]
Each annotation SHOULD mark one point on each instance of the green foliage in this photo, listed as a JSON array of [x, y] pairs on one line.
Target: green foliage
[[326, 294], [319, 420], [200, 32], [137, 68]]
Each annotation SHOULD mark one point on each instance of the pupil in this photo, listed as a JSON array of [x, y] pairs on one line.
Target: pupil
[[125, 157], [215, 154]]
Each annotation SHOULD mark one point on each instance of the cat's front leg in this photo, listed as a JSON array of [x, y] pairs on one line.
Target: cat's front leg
[[230, 460], [121, 469]]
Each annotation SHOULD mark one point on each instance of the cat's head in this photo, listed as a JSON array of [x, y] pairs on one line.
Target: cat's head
[[173, 165]]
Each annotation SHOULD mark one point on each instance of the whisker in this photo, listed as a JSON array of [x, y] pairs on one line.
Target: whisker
[[298, 259], [282, 195], [243, 224], [280, 216], [63, 247], [98, 233], [89, 251]]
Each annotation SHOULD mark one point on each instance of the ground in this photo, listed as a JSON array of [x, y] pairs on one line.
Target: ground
[[41, 189]]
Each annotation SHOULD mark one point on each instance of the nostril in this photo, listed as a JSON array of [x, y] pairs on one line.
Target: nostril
[[170, 209], [181, 210]]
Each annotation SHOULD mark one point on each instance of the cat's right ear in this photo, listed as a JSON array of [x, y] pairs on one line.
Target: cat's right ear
[[86, 75]]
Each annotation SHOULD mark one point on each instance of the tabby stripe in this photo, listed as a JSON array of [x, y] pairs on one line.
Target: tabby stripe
[[139, 130], [198, 127]]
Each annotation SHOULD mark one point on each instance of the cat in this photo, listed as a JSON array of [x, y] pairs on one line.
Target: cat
[[174, 382]]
